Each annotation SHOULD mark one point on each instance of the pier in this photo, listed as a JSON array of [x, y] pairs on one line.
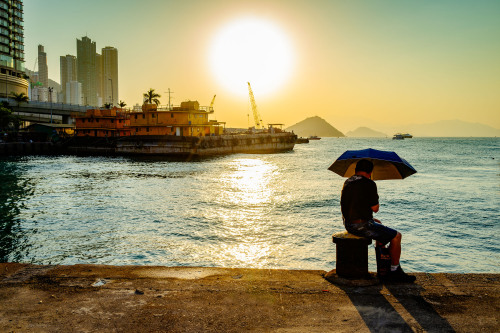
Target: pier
[[208, 299]]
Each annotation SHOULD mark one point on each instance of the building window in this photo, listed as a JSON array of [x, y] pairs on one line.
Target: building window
[[83, 120], [147, 129], [135, 116], [137, 129], [143, 116], [112, 121], [152, 115], [97, 120], [171, 115]]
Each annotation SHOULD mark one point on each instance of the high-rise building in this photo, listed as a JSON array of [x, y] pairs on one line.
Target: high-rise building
[[43, 69], [68, 70], [98, 74], [12, 48], [73, 92], [110, 75], [86, 73]]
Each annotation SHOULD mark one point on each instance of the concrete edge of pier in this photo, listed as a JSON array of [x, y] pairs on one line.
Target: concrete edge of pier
[[88, 298]]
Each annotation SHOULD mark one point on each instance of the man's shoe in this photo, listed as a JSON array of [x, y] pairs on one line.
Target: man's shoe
[[400, 276]]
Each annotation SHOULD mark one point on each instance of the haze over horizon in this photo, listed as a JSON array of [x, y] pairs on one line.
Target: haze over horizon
[[352, 63]]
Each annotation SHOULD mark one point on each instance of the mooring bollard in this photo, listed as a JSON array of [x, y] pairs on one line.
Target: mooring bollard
[[352, 255]]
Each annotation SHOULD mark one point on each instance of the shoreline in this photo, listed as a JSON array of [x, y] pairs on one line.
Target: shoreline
[[46, 298]]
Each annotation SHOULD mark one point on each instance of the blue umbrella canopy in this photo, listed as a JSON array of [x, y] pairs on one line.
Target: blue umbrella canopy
[[386, 164]]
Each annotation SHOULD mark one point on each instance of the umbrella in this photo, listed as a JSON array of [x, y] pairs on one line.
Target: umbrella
[[386, 164]]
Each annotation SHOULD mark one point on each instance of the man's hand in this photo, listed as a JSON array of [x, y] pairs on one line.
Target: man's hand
[[378, 221]]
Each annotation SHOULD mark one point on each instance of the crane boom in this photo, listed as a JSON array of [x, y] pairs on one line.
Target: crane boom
[[256, 115], [212, 103]]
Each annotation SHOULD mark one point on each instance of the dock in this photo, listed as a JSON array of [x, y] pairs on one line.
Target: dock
[[100, 298]]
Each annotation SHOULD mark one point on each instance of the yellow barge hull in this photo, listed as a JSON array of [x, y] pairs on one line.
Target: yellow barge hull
[[259, 143]]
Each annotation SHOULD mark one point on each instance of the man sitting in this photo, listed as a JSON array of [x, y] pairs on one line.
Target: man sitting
[[359, 200]]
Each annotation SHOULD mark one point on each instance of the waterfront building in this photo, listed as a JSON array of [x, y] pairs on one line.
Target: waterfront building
[[110, 75], [188, 119], [12, 77], [103, 123], [43, 69], [68, 70], [86, 69], [74, 93]]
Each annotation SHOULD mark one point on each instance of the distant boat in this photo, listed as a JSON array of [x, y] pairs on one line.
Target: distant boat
[[398, 137], [302, 140], [407, 136], [314, 137]]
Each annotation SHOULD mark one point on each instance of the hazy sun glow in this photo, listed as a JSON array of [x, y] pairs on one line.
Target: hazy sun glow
[[251, 50]]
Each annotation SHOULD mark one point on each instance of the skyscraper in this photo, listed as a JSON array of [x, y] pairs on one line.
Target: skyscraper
[[43, 70], [98, 74], [110, 75], [12, 48], [86, 73], [68, 70]]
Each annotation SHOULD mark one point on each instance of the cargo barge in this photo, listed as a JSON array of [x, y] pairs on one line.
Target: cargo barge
[[177, 131]]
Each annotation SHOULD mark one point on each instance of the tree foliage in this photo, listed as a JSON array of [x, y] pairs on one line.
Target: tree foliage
[[151, 97], [8, 120], [20, 97]]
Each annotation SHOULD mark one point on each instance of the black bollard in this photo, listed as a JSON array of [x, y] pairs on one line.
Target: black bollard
[[352, 255]]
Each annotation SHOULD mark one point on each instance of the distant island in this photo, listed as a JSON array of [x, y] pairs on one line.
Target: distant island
[[442, 128], [452, 128], [315, 126], [365, 132]]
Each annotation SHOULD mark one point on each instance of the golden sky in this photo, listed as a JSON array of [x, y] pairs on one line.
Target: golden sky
[[376, 63]]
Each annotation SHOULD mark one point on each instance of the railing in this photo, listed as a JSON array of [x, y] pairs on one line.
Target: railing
[[171, 108], [48, 105]]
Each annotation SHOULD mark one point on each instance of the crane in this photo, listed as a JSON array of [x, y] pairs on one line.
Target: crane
[[212, 104], [256, 115]]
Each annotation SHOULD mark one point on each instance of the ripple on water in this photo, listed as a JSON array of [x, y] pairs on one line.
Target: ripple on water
[[265, 211]]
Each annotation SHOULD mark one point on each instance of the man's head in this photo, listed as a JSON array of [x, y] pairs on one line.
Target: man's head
[[365, 166]]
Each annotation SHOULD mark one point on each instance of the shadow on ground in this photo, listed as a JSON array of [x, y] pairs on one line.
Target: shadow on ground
[[378, 306]]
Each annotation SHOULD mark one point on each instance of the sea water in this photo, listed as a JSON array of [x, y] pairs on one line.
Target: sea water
[[256, 211]]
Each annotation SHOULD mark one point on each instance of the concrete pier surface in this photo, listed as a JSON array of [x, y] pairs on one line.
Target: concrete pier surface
[[98, 298]]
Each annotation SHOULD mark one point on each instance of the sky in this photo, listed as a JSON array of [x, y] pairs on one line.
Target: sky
[[378, 63]]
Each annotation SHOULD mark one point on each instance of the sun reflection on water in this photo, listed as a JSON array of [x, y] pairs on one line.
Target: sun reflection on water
[[248, 189], [247, 182]]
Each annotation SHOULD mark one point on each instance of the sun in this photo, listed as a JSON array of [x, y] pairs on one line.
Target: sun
[[251, 50]]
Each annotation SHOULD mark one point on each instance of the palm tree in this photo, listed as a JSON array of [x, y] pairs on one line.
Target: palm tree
[[19, 98], [122, 104], [151, 97], [107, 105], [8, 119]]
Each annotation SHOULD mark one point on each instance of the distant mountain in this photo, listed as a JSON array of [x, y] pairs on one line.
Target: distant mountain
[[315, 126], [365, 132], [456, 128]]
